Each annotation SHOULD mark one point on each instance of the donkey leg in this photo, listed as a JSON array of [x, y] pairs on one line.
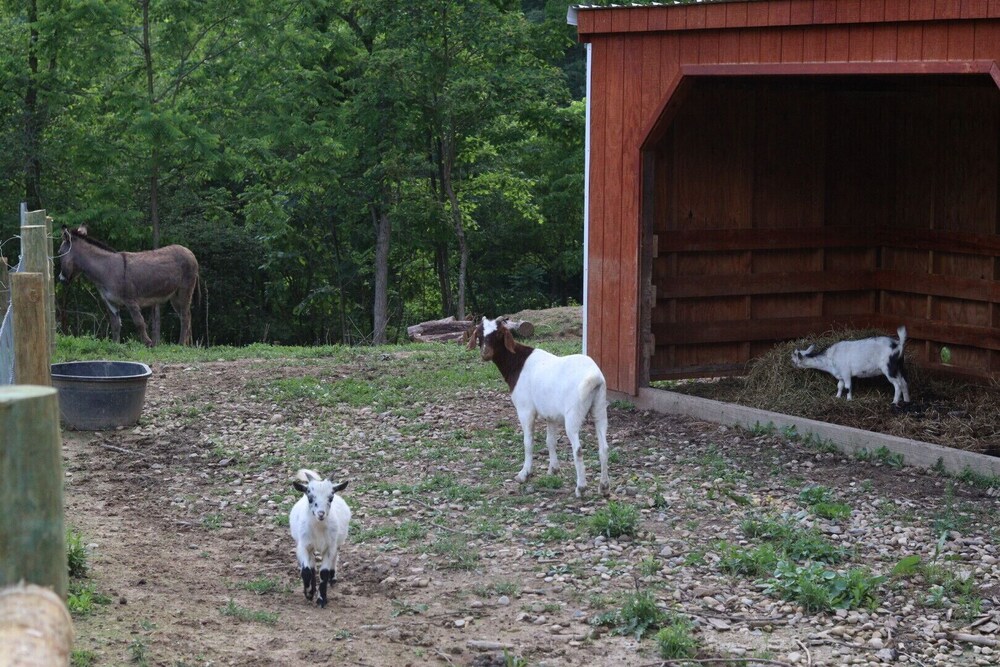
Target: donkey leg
[[116, 323], [140, 323], [182, 307]]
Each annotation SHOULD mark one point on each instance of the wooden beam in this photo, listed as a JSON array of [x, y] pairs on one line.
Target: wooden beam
[[805, 238]]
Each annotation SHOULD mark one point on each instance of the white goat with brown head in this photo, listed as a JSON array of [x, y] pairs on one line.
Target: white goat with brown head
[[557, 389]]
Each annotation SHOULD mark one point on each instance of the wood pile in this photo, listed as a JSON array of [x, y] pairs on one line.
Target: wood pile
[[451, 330]]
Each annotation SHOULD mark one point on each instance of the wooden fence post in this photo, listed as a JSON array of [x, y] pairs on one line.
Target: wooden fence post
[[32, 359], [50, 285], [38, 252], [35, 627], [32, 537]]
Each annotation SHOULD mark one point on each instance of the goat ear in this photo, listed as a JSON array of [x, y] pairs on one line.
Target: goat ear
[[301, 486], [337, 488], [808, 350], [508, 340], [82, 230], [474, 337]]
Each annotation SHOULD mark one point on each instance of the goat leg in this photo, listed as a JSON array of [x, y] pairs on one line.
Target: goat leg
[[308, 582], [325, 577]]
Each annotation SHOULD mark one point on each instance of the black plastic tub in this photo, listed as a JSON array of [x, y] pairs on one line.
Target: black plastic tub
[[100, 395]]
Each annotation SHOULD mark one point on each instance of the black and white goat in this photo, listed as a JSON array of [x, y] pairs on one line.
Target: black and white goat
[[319, 523], [864, 358], [557, 389]]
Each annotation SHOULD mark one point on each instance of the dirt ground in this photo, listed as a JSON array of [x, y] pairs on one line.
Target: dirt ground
[[183, 514]]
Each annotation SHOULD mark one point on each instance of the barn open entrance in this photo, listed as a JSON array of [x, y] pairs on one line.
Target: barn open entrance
[[782, 201]]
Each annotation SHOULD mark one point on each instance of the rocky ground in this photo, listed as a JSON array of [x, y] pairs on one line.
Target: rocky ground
[[453, 563]]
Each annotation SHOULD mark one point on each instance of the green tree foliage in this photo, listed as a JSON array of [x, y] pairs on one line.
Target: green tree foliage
[[335, 165]]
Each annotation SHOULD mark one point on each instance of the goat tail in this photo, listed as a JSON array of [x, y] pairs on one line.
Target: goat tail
[[901, 332], [595, 399]]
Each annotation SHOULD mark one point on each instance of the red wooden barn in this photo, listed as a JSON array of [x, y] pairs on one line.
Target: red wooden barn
[[759, 171]]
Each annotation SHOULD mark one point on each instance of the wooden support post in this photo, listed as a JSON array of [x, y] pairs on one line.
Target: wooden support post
[[32, 360], [32, 537], [42, 254]]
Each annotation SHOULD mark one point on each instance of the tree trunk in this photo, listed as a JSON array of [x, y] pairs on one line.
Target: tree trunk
[[154, 167], [32, 119], [447, 161], [383, 230], [341, 306], [442, 267]]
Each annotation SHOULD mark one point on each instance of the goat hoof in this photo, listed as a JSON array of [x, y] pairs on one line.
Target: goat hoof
[[605, 489], [579, 491], [321, 603], [521, 477]]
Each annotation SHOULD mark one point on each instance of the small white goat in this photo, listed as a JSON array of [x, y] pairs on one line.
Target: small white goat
[[319, 523], [860, 358], [557, 389]]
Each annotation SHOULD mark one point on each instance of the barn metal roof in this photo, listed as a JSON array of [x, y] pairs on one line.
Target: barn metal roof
[[571, 11]]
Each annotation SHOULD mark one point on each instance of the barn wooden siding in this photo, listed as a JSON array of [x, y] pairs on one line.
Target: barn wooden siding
[[764, 170]]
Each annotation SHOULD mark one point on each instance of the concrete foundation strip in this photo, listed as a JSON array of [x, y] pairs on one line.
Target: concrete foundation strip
[[846, 438]]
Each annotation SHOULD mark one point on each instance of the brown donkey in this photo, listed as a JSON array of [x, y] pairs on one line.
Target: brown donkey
[[134, 280]]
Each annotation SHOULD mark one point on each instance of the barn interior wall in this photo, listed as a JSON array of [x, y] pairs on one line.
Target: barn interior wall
[[787, 206]]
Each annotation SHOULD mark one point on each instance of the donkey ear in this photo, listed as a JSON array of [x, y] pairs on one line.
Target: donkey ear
[[508, 340]]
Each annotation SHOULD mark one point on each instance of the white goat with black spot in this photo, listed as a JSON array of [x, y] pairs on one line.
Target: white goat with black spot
[[319, 523], [869, 357]]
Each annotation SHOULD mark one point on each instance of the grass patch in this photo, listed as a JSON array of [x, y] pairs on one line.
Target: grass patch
[[402, 535], [263, 586], [234, 610], [755, 563], [820, 501], [676, 641], [549, 482], [456, 552], [509, 588], [818, 588], [82, 599], [82, 658], [615, 520], [638, 616], [404, 608], [880, 456], [978, 480], [792, 541], [139, 652], [76, 554]]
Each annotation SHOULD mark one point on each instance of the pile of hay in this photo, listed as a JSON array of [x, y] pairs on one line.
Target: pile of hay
[[946, 412]]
